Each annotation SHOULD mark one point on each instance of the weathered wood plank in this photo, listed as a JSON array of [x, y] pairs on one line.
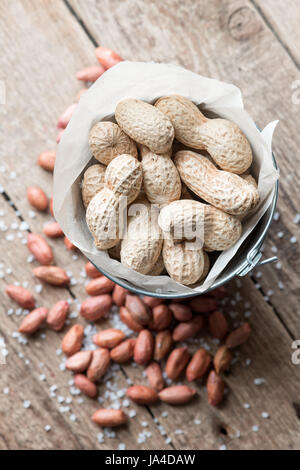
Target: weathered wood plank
[[230, 41], [51, 76], [284, 19]]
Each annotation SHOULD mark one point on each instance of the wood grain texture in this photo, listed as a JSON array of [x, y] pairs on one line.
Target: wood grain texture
[[224, 39], [283, 18], [228, 40]]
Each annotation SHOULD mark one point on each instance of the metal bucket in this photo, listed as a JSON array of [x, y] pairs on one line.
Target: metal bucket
[[247, 257]]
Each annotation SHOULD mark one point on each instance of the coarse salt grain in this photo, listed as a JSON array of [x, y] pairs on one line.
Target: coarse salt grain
[[26, 404], [259, 381], [265, 415], [255, 428]]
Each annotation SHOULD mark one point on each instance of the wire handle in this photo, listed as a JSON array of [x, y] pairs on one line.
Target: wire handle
[[254, 261]]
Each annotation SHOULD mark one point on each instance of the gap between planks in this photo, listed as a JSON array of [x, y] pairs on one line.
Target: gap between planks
[[275, 34]]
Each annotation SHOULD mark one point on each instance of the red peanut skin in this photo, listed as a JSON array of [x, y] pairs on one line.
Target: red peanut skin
[[37, 198], [203, 304], [100, 285], [53, 230], [107, 57], [143, 350], [21, 295], [94, 308], [161, 319], [176, 362], [92, 271], [155, 377], [177, 394], [152, 301], [46, 160], [57, 315], [139, 311], [99, 364], [119, 295], [109, 417], [217, 324], [90, 74], [85, 385], [72, 341], [141, 394], [186, 330], [181, 312], [198, 365], [215, 388], [40, 249], [126, 318], [33, 321]]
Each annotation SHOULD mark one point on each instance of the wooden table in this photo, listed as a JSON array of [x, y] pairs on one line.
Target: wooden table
[[254, 44]]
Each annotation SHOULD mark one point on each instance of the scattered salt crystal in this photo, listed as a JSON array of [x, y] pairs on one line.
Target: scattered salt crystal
[[58, 352], [121, 446], [258, 274], [126, 403], [278, 265], [47, 428], [296, 219], [246, 406], [60, 399], [259, 381], [144, 424], [64, 409], [248, 362], [270, 292], [280, 285], [73, 417], [223, 447], [27, 404], [38, 288], [179, 431], [265, 415], [6, 390], [24, 226], [168, 440], [42, 377], [197, 421], [31, 214], [293, 239], [100, 437], [255, 428], [274, 249], [131, 413], [276, 216]]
